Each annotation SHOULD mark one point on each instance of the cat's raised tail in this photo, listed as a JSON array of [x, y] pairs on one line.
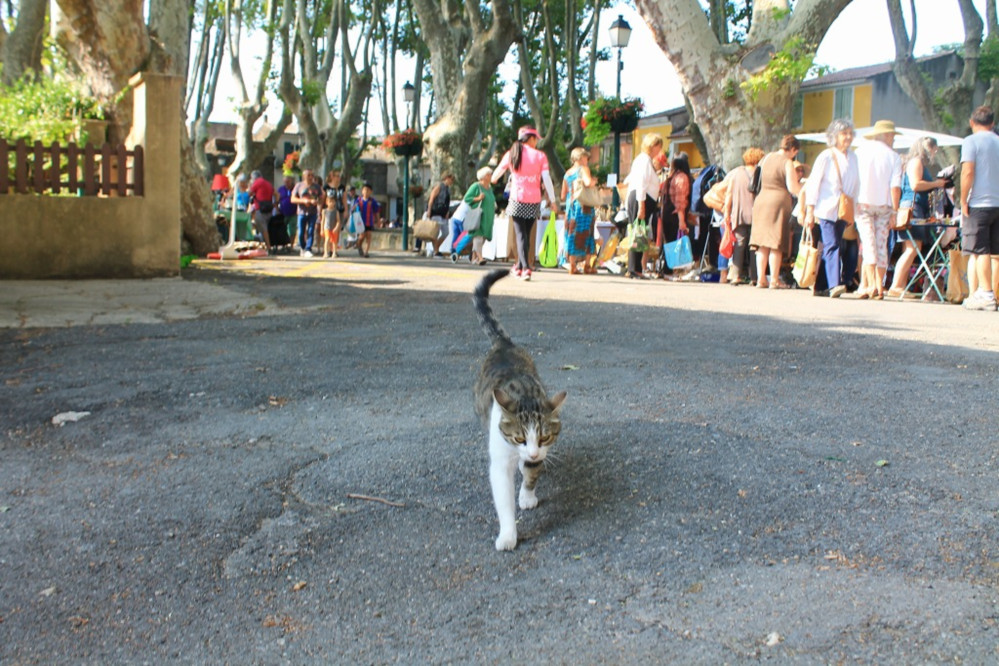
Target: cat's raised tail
[[481, 301]]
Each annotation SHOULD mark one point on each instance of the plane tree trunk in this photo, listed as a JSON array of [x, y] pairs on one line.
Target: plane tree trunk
[[710, 71], [465, 50]]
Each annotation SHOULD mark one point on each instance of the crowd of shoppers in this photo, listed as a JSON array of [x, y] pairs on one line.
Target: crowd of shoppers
[[853, 199]]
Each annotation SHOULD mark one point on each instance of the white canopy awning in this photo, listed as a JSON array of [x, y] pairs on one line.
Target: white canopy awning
[[903, 141]]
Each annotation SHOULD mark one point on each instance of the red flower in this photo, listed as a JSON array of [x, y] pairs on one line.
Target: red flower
[[406, 137]]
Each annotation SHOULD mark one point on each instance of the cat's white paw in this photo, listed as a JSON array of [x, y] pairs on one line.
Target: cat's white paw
[[506, 541], [527, 500]]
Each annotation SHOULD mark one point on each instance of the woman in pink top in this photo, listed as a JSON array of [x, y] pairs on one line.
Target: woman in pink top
[[528, 169]]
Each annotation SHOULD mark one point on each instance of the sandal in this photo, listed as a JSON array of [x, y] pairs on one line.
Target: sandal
[[777, 284]]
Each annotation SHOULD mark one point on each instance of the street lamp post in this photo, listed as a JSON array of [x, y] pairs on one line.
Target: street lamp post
[[409, 92], [620, 33]]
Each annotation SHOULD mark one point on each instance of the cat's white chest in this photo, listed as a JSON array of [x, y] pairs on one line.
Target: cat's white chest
[[504, 460]]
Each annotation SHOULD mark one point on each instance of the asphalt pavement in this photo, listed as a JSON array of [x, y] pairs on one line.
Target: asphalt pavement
[[276, 461]]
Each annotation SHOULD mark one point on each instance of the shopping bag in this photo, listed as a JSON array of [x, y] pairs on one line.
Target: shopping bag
[[678, 254], [356, 225], [427, 230], [496, 247], [806, 264], [727, 246], [957, 277], [638, 236], [468, 215], [548, 256]]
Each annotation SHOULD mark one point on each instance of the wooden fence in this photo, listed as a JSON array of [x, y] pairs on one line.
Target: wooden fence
[[54, 169]]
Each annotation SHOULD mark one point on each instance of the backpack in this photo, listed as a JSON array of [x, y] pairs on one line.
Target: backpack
[[442, 203], [709, 176]]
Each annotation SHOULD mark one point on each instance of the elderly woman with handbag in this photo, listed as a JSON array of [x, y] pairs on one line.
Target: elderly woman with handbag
[[578, 188], [832, 188], [770, 235], [480, 194]]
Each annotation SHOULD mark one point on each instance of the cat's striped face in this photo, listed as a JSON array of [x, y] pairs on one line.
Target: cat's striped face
[[530, 426]]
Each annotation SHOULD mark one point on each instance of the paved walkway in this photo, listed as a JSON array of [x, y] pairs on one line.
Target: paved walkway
[[742, 475], [203, 291]]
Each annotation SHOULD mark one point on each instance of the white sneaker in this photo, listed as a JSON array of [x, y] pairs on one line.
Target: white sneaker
[[978, 301], [306, 253]]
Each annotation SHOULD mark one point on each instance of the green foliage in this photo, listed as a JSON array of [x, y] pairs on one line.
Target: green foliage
[[793, 62], [941, 103], [779, 14], [738, 17], [988, 59], [312, 92], [46, 110]]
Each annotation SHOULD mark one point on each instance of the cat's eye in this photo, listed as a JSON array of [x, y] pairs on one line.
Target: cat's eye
[[519, 440], [545, 440]]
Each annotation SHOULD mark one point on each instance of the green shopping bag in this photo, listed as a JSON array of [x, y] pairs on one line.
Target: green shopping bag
[[548, 257]]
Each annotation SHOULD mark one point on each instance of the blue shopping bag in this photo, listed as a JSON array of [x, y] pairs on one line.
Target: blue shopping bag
[[678, 254]]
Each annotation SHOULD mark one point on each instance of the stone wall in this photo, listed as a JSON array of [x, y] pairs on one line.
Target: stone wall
[[107, 237]]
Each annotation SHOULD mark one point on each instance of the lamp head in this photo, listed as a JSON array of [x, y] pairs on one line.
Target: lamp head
[[620, 32]]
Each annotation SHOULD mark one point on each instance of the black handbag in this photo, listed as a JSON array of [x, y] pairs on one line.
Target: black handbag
[[757, 182]]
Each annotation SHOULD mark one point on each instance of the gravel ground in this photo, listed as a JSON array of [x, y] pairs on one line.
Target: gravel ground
[[741, 476]]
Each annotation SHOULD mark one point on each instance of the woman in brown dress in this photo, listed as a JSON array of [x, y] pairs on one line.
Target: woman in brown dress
[[772, 211]]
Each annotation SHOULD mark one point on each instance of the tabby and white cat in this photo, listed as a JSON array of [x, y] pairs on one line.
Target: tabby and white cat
[[523, 422]]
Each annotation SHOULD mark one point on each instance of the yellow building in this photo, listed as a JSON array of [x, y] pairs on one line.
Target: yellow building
[[861, 94], [672, 125], [866, 95]]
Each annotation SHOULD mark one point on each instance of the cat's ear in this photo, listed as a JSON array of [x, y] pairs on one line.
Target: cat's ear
[[503, 399], [557, 401]]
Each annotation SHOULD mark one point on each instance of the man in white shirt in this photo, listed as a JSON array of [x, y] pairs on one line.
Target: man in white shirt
[[877, 203], [980, 207]]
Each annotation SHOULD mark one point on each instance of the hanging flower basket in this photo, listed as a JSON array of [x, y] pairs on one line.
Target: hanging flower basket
[[408, 143], [416, 191], [290, 165], [607, 115], [624, 124]]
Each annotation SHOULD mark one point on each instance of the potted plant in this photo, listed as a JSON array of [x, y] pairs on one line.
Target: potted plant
[[407, 143], [609, 114]]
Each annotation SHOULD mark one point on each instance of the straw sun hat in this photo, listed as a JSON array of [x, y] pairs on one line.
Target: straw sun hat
[[881, 127]]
